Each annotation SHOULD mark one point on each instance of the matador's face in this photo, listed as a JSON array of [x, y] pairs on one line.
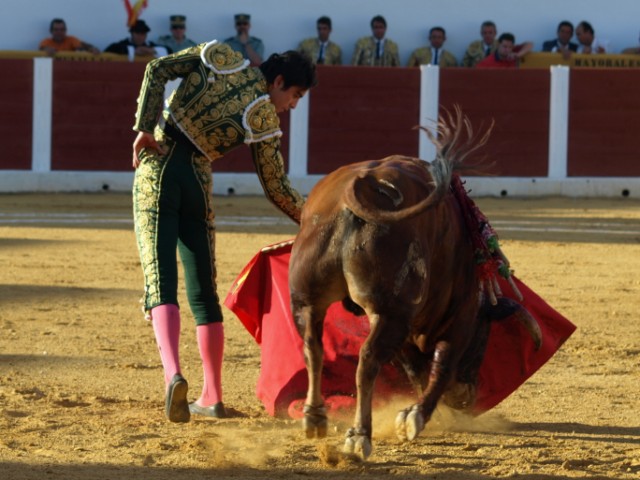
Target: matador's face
[[285, 99]]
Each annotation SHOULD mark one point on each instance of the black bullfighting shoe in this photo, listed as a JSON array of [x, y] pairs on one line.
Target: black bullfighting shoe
[[216, 411], [176, 406]]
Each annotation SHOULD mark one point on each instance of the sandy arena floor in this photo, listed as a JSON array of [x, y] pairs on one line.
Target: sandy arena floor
[[81, 392]]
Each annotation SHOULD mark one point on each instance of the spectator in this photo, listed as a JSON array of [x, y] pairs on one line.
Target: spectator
[[479, 49], [588, 41], [434, 54], [137, 45], [562, 44], [177, 40], [320, 49], [376, 50], [61, 42], [507, 54], [250, 47]]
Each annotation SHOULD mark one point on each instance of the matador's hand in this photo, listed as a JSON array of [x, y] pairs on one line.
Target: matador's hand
[[144, 140]]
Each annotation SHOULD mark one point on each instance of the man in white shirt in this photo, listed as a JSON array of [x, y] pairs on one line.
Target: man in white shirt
[[588, 41]]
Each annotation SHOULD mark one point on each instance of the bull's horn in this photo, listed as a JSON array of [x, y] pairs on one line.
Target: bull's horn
[[530, 323], [515, 288]]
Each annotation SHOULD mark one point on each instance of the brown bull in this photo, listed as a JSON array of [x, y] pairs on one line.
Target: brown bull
[[388, 236]]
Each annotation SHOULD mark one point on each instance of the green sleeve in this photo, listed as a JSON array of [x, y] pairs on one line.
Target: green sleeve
[[269, 166], [158, 72]]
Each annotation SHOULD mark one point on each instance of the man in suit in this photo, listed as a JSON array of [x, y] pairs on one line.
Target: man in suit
[[433, 54], [320, 49], [376, 50], [563, 43], [479, 49]]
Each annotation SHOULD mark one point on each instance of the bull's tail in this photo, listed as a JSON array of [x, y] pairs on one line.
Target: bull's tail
[[454, 142]]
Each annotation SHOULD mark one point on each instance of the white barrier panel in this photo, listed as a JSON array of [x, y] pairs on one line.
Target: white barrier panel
[[429, 98], [558, 122], [42, 114]]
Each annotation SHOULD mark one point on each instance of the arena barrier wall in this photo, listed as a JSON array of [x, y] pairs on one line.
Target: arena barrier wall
[[556, 131]]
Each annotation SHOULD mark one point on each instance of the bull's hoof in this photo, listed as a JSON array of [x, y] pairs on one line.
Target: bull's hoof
[[358, 443], [315, 422], [401, 427], [460, 396], [409, 423]]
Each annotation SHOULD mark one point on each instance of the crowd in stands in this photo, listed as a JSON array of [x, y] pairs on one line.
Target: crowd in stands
[[490, 51]]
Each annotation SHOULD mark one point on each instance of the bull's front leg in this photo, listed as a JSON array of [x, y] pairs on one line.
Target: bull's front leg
[[314, 422], [411, 421]]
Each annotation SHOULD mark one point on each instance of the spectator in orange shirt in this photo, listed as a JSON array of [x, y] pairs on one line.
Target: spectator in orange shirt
[[61, 42]]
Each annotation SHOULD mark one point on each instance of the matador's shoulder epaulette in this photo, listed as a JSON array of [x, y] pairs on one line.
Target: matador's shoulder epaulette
[[222, 59], [261, 121]]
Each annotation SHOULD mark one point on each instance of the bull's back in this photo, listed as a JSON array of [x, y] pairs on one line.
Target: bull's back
[[351, 256]]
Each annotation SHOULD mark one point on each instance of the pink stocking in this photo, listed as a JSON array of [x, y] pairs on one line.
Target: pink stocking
[[211, 346], [166, 326]]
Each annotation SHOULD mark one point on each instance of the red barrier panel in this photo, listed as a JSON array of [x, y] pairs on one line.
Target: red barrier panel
[[604, 116], [518, 101], [360, 113], [94, 104], [356, 113], [16, 121]]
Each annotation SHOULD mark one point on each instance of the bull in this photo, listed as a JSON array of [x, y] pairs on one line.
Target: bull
[[387, 238]]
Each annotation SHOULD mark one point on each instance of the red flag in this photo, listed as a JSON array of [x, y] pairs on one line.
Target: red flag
[[133, 12]]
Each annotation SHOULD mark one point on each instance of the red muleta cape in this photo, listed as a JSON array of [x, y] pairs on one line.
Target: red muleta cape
[[260, 299]]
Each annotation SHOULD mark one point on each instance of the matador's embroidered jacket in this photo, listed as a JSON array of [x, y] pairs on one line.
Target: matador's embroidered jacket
[[220, 104], [476, 53], [365, 53], [423, 56], [311, 47]]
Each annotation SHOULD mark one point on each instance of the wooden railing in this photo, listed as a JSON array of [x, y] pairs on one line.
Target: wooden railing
[[75, 56], [577, 60], [355, 113]]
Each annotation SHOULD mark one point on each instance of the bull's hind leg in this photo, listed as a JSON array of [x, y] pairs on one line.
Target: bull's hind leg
[[411, 421], [382, 344], [310, 323]]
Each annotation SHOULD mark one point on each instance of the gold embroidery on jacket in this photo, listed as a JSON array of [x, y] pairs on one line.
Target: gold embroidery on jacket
[[222, 59], [220, 115], [261, 121]]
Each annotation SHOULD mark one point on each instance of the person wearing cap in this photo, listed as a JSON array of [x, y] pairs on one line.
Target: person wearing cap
[[137, 45], [177, 40], [250, 47], [61, 42], [320, 49], [220, 104], [376, 50]]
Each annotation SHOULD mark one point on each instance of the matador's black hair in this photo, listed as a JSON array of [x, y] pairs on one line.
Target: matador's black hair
[[296, 69]]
